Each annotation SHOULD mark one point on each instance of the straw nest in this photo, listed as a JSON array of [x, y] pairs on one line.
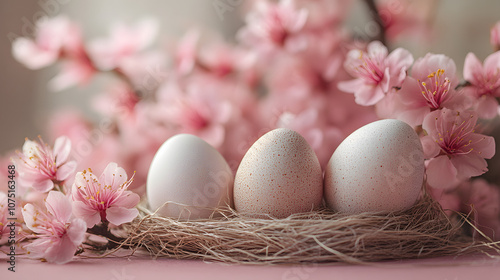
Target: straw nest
[[321, 236]]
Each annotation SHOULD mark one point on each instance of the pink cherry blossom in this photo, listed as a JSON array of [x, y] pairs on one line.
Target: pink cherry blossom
[[124, 41], [117, 101], [186, 52], [74, 71], [57, 233], [448, 199], [40, 166], [485, 83], [56, 39], [412, 19], [376, 72], [214, 57], [105, 198], [312, 72], [222, 59], [476, 198], [297, 80], [431, 87], [197, 111], [274, 25], [293, 78], [144, 71], [483, 199], [53, 37], [495, 36], [323, 14], [454, 150]]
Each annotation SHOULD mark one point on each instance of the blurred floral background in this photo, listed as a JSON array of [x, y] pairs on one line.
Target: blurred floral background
[[118, 78], [27, 100], [458, 27]]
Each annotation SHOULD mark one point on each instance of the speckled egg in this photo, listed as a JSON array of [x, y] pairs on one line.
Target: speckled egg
[[379, 167], [188, 178], [278, 176]]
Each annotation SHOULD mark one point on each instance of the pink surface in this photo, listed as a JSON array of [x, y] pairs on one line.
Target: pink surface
[[477, 268]]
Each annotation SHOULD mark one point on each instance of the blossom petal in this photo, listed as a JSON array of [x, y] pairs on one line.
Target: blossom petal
[[65, 170], [43, 185], [376, 48], [410, 94], [429, 123], [448, 200], [214, 135], [472, 68], [62, 149], [400, 58], [469, 165], [29, 54], [385, 109], [413, 117], [27, 173], [128, 200], [89, 215], [350, 86], [483, 145], [431, 148], [73, 73], [431, 63], [113, 175], [441, 173], [385, 83], [368, 95], [38, 247], [61, 251], [487, 107], [492, 62], [223, 112], [59, 206], [120, 215], [398, 62], [76, 231], [82, 177]]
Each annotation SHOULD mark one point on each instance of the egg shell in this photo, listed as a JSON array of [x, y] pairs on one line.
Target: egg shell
[[378, 168], [278, 176], [188, 171]]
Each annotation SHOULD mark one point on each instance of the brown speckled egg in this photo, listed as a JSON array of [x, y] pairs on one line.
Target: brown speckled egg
[[378, 168], [278, 176]]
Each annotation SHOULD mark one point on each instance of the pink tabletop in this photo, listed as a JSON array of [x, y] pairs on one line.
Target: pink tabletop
[[110, 268]]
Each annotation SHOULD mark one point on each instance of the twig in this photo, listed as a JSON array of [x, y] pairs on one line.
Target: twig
[[103, 230], [376, 17]]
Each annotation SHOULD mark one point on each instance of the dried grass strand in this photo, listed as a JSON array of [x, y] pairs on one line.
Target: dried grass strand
[[322, 236]]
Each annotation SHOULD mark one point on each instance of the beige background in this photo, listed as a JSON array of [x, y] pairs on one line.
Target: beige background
[[461, 25]]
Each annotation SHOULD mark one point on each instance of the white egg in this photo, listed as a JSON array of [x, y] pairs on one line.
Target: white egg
[[278, 176], [191, 174], [379, 167]]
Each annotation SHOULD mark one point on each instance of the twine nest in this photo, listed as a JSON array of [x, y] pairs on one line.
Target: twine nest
[[322, 236]]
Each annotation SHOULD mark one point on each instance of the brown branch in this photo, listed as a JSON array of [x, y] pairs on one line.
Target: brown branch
[[103, 230], [376, 17]]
